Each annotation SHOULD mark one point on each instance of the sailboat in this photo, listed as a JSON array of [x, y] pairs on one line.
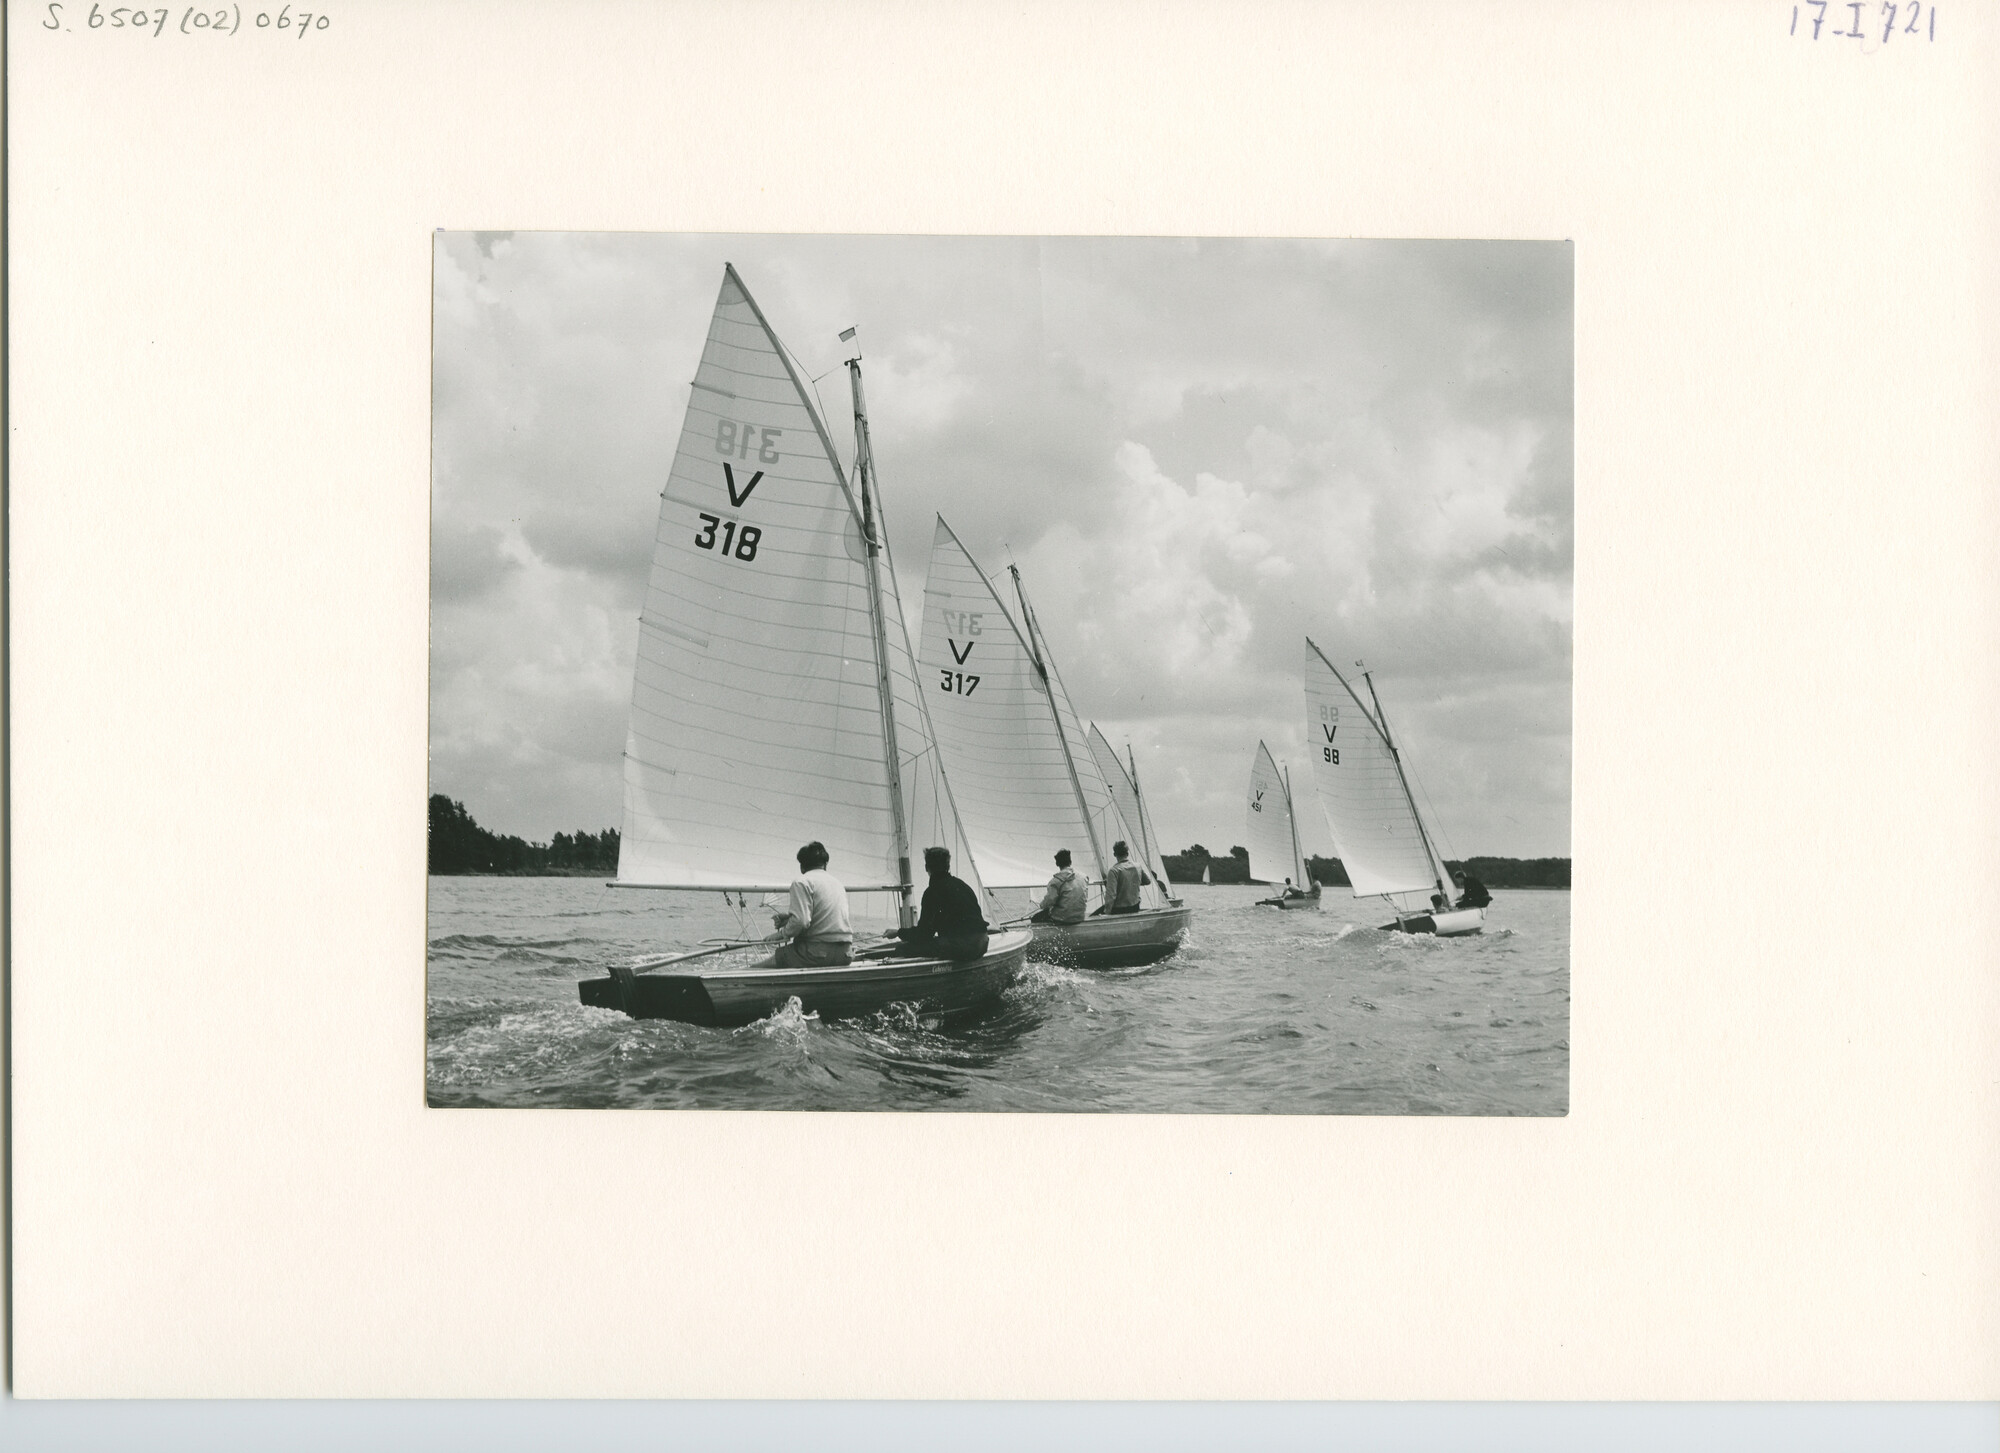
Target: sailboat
[[1365, 792], [1273, 832], [1123, 780], [775, 701], [1024, 778]]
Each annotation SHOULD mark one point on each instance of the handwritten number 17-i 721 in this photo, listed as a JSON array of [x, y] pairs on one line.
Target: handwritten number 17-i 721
[[1913, 13]]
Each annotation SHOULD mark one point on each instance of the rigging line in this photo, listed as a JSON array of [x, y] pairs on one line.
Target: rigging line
[[1451, 848], [812, 380]]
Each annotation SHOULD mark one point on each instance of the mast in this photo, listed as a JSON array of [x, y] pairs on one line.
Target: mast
[[1292, 818], [864, 472], [1048, 691], [1397, 757]]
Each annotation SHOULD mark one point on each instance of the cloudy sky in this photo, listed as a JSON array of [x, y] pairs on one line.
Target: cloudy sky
[[1198, 452]]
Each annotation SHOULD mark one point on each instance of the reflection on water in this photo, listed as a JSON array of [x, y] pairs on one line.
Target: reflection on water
[[1260, 1012]]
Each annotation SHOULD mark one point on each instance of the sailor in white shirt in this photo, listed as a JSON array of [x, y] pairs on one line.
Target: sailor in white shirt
[[814, 932]]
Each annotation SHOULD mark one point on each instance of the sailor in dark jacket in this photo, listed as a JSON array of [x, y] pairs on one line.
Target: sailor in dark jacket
[[951, 924]]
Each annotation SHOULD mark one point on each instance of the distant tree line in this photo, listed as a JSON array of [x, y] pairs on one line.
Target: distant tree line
[[1189, 866], [1515, 872], [460, 845]]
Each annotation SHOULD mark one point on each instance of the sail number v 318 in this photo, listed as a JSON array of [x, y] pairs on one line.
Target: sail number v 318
[[738, 541]]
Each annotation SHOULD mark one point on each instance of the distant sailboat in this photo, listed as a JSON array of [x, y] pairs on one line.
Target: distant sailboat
[[1365, 793], [1273, 831], [1023, 776], [775, 699]]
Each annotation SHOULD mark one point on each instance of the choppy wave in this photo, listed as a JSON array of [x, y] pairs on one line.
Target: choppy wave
[[1263, 1013]]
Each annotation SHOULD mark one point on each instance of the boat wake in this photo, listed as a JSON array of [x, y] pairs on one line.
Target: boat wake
[[1039, 976], [488, 1042], [790, 1023]]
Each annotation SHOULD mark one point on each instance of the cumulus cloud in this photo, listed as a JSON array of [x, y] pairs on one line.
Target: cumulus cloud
[[1198, 451]]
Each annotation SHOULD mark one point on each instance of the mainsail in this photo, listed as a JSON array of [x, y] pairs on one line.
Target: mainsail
[[996, 717], [758, 717], [1107, 824], [1272, 837], [1137, 826], [1128, 819], [1155, 860], [1367, 802]]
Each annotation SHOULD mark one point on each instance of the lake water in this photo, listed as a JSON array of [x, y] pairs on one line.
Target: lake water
[[1260, 1011]]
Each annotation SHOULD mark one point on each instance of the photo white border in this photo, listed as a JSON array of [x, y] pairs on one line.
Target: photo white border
[[1777, 1178]]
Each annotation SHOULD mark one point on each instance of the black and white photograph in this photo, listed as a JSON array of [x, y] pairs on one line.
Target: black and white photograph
[[1000, 673], [1151, 685]]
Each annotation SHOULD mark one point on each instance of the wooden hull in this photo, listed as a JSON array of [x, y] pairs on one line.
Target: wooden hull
[[1453, 924], [730, 996], [1112, 940], [1305, 900]]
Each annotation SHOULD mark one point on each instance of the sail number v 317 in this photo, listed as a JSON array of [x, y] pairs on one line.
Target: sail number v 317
[[966, 622]]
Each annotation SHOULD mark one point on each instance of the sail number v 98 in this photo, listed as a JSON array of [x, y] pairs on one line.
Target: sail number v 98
[[741, 543]]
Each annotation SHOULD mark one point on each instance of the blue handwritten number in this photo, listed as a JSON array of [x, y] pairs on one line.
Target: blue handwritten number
[[1820, 5], [1916, 9], [1856, 8]]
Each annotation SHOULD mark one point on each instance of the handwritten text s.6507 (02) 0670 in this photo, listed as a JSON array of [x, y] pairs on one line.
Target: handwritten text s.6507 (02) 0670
[[192, 20]]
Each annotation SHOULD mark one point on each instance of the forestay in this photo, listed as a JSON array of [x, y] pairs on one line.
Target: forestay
[[997, 727], [757, 711], [1367, 807], [1271, 839]]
